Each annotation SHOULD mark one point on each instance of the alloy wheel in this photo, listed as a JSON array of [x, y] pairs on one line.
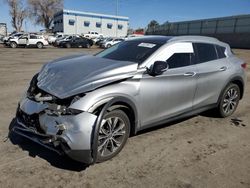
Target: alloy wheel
[[112, 135], [230, 101]]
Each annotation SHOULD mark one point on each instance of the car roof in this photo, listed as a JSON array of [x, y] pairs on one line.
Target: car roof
[[151, 39], [164, 39]]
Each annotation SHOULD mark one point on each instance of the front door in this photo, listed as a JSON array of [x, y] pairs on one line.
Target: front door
[[171, 93]]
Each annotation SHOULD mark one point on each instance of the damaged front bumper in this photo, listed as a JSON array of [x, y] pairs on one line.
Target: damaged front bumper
[[70, 134]]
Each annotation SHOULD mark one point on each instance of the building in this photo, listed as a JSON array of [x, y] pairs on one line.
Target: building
[[3, 29], [234, 30], [75, 22]]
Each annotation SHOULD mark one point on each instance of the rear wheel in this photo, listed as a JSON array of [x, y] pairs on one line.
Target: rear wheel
[[109, 45], [229, 100], [39, 45], [13, 44], [113, 134], [68, 45]]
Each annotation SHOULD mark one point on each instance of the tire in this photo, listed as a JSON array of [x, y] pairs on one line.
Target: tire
[[87, 45], [229, 100], [109, 45], [68, 45], [13, 44], [112, 135], [39, 45]]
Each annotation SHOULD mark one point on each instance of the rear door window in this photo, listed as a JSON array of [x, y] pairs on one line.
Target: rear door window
[[33, 37], [206, 52]]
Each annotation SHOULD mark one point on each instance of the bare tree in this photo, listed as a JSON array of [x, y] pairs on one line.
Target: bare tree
[[42, 11], [18, 13]]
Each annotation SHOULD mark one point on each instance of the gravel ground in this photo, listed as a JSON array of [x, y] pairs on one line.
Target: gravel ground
[[201, 151]]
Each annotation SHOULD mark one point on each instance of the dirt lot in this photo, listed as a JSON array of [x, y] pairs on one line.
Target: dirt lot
[[198, 152]]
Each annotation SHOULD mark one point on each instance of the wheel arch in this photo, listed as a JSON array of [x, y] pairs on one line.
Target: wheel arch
[[235, 80], [115, 103], [123, 104], [239, 81]]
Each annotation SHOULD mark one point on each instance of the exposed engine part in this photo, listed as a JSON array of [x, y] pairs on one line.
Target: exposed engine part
[[42, 99]]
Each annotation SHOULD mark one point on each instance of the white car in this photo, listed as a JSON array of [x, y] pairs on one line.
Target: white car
[[52, 38], [93, 34], [14, 35], [108, 44], [29, 40]]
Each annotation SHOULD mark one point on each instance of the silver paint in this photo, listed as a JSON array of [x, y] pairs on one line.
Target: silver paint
[[174, 92]]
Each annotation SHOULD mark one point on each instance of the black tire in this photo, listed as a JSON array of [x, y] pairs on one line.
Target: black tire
[[87, 45], [13, 44], [39, 45], [229, 100], [120, 140], [68, 45], [109, 45]]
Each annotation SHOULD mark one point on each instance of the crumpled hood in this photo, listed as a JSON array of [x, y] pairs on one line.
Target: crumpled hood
[[66, 77]]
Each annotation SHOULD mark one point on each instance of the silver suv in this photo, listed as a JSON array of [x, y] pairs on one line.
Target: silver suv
[[87, 106]]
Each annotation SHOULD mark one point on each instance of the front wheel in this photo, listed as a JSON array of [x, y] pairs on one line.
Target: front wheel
[[113, 134], [229, 100], [39, 45], [13, 44]]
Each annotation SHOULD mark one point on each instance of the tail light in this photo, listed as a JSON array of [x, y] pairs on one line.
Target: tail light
[[244, 65]]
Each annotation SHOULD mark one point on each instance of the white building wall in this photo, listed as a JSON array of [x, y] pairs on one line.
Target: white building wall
[[80, 17]]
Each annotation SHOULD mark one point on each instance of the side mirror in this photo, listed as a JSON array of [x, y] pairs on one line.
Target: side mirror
[[158, 68]]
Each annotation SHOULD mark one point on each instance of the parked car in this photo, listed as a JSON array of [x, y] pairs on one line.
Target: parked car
[[28, 41], [101, 43], [97, 40], [92, 35], [12, 36], [1, 38], [87, 106], [52, 38], [59, 39], [110, 43], [76, 41]]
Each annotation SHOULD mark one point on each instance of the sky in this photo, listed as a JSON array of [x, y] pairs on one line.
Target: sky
[[141, 12]]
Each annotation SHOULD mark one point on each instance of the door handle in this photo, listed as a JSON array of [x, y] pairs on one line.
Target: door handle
[[190, 74], [223, 68]]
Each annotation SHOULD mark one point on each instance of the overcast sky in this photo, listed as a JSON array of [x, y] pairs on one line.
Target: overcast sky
[[141, 12]]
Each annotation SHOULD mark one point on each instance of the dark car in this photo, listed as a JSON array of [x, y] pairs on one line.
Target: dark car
[[76, 42]]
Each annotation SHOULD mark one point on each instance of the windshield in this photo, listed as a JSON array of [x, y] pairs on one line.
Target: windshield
[[135, 51]]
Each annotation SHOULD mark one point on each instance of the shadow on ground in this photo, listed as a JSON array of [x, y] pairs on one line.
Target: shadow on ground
[[34, 150]]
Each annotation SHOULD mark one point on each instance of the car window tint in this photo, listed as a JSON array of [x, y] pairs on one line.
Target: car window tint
[[221, 51], [129, 51], [180, 60], [205, 52], [33, 37]]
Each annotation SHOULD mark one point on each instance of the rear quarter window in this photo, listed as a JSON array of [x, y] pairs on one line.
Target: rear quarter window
[[220, 51], [205, 52]]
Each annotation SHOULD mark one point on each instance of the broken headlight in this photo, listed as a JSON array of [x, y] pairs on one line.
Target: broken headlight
[[54, 109]]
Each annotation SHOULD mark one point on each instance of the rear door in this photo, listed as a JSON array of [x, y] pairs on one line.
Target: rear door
[[212, 73], [32, 40]]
